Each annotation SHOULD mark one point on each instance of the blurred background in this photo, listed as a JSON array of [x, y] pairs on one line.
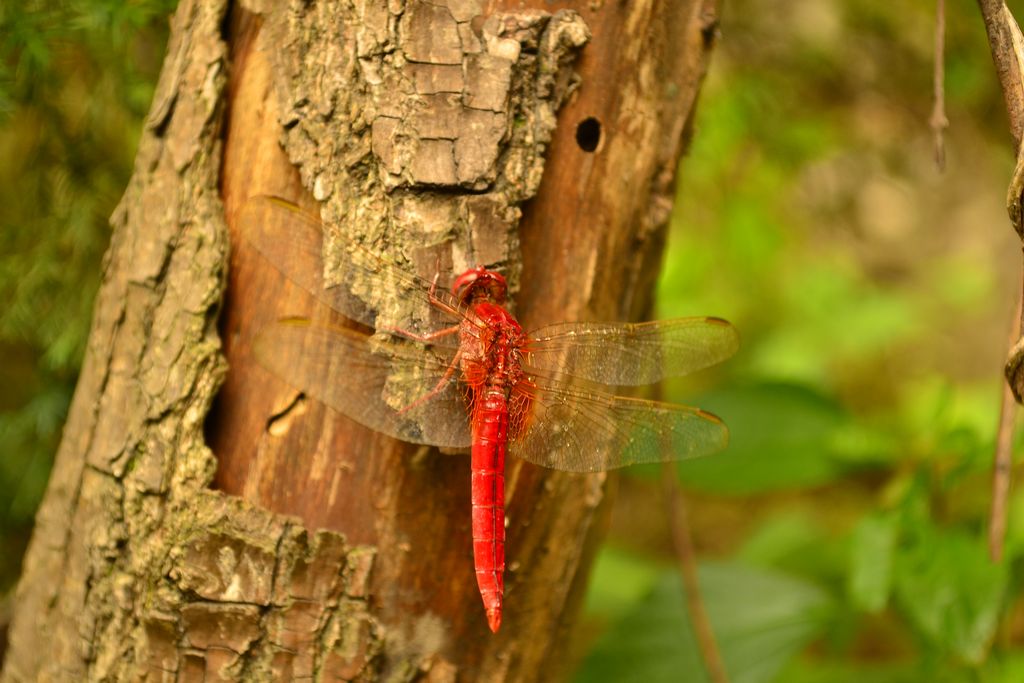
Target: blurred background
[[842, 536], [76, 80]]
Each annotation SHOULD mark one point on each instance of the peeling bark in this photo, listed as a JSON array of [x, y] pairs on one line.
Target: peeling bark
[[421, 127]]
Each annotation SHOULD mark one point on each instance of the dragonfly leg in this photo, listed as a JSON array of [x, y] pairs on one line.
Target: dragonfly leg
[[426, 338], [437, 276], [438, 388], [435, 300]]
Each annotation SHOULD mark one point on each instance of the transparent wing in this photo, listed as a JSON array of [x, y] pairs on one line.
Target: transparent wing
[[558, 418], [390, 385], [290, 238], [630, 354], [576, 428]]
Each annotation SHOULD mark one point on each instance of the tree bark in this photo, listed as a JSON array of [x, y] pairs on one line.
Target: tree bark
[[326, 550]]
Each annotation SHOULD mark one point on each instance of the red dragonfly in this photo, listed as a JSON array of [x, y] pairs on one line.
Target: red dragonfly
[[481, 381]]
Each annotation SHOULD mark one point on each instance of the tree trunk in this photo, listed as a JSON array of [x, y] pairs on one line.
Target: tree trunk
[[326, 550]]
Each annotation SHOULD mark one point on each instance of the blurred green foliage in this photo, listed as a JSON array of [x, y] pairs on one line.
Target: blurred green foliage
[[844, 529], [76, 78], [761, 619]]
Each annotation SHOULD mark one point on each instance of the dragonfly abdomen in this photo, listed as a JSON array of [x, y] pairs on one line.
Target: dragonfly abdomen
[[490, 433]]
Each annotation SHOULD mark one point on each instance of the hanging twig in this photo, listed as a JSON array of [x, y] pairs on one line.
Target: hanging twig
[[939, 123], [683, 542], [1003, 460]]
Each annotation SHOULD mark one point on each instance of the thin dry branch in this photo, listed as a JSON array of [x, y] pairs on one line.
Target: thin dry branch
[[687, 558], [1002, 462]]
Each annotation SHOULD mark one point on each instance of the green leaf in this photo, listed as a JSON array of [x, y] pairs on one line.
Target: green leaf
[[780, 437], [781, 537], [950, 590], [760, 618], [847, 671], [1008, 669], [618, 580], [870, 579]]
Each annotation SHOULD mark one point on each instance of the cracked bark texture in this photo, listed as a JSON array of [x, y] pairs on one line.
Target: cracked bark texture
[[325, 551]]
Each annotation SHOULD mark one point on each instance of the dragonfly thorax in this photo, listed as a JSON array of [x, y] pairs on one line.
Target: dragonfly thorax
[[490, 346]]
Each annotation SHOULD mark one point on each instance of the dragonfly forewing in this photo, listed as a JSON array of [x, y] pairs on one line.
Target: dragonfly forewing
[[293, 241], [631, 354]]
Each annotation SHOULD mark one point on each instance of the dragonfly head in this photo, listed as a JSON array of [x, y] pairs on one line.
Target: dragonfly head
[[480, 283]]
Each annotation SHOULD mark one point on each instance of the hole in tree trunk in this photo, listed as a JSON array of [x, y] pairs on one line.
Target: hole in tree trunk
[[588, 134]]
